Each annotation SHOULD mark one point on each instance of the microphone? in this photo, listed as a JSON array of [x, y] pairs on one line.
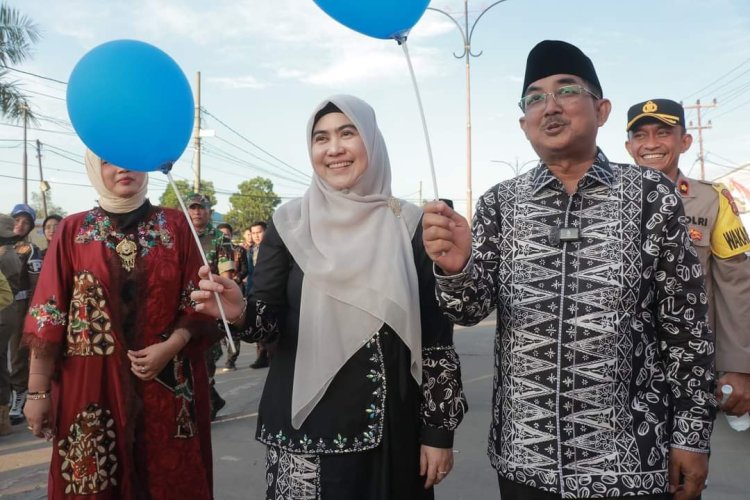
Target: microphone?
[[559, 235]]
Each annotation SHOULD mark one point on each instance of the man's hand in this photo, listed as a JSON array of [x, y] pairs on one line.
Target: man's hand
[[689, 467], [447, 237], [739, 402]]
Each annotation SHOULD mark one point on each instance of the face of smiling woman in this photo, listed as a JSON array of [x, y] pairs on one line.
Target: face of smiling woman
[[121, 182], [339, 156]]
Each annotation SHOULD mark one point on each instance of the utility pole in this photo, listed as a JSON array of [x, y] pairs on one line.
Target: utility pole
[[43, 186], [25, 157], [700, 128], [197, 134], [466, 34]]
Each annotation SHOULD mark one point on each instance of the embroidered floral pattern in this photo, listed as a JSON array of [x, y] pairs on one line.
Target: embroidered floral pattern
[[88, 455], [48, 314], [367, 440], [185, 301], [291, 477], [265, 328], [89, 327], [154, 231]]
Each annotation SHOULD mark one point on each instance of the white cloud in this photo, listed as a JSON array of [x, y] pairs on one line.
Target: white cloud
[[238, 82], [281, 27], [289, 73]]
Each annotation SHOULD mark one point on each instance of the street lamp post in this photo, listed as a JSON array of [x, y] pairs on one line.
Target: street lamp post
[[467, 34]]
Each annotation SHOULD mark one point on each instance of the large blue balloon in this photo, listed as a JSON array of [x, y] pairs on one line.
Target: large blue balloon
[[376, 18], [131, 104]]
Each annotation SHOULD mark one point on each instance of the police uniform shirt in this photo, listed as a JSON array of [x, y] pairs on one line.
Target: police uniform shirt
[[721, 240]]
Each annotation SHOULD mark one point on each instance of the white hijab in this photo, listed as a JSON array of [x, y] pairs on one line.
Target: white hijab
[[358, 262], [108, 200]]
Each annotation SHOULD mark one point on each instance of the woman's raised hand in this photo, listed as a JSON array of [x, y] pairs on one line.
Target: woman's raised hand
[[205, 300], [447, 237]]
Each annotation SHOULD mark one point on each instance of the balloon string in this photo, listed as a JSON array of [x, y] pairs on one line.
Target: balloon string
[[230, 341], [421, 114]]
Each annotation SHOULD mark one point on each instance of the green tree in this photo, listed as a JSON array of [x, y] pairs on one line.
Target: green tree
[[52, 208], [255, 201], [17, 35], [169, 199]]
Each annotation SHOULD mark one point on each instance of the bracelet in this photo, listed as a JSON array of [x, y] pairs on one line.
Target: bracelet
[[34, 396], [241, 315], [183, 336]]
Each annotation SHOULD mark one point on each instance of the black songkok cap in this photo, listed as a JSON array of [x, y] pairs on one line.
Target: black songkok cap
[[554, 57], [665, 110]]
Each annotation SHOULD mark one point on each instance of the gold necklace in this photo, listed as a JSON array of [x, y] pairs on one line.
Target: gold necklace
[[127, 250]]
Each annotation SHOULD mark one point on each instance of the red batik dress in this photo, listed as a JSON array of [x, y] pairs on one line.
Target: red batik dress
[[116, 436]]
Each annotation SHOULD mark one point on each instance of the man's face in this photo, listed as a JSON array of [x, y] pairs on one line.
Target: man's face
[[248, 236], [226, 232], [257, 233], [199, 215], [564, 129], [23, 224], [658, 145]]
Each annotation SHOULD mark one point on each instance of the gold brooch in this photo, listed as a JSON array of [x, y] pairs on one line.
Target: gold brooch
[[395, 205], [127, 250]]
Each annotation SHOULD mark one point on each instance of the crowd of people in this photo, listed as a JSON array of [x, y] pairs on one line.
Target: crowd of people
[[620, 292]]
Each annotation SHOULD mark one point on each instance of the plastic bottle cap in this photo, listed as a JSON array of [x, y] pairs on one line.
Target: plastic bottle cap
[[726, 389]]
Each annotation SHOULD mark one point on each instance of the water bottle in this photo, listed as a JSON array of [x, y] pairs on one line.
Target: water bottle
[[741, 423]]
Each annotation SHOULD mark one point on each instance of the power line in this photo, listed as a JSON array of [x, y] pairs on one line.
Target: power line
[[734, 79], [220, 153], [728, 167], [51, 182], [43, 94], [252, 143], [307, 176], [730, 110], [719, 78], [34, 74], [39, 129], [722, 157], [57, 121]]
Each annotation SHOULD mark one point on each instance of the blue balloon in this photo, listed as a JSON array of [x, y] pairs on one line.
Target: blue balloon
[[131, 104], [376, 18]]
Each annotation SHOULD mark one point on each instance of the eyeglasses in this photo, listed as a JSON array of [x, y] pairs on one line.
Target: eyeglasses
[[562, 96]]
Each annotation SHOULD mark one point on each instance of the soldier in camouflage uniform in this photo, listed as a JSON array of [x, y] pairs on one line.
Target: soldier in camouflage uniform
[[212, 241]]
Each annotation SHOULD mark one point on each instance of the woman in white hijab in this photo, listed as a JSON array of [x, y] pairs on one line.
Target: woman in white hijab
[[117, 377], [364, 391]]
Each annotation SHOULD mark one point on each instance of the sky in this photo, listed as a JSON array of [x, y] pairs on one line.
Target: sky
[[266, 64]]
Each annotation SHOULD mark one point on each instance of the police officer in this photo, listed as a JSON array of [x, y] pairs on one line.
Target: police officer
[[656, 138]]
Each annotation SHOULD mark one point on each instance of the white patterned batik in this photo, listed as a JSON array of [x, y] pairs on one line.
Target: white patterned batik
[[598, 339]]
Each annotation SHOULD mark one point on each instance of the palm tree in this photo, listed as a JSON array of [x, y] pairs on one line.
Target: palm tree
[[17, 35]]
